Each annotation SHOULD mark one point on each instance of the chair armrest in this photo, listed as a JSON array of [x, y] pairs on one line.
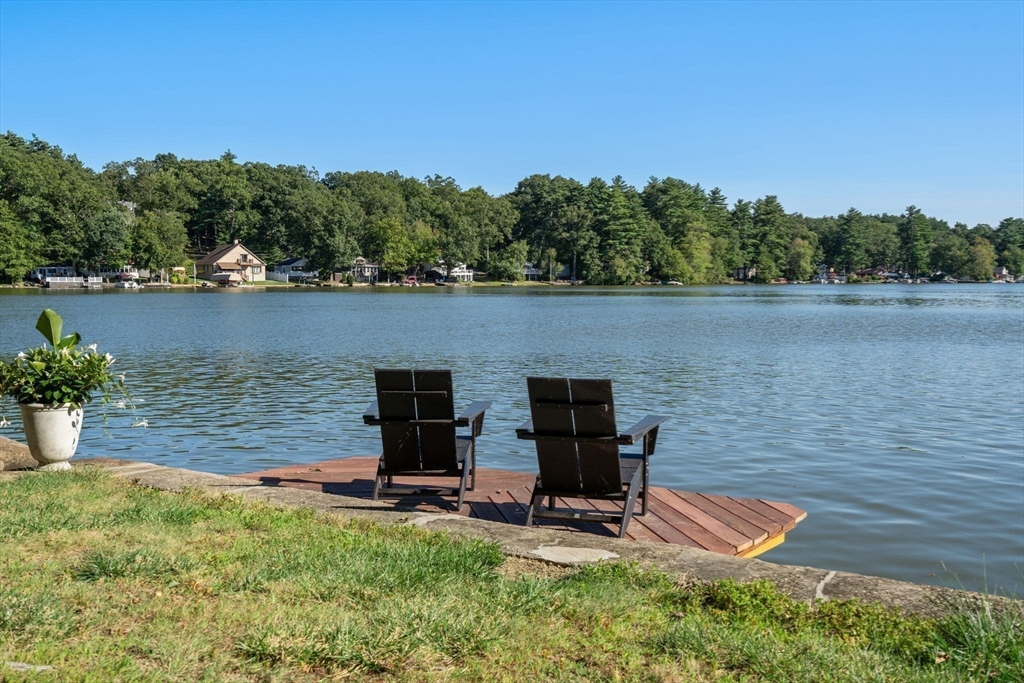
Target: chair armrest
[[525, 430], [641, 428], [475, 409], [473, 416], [371, 414]]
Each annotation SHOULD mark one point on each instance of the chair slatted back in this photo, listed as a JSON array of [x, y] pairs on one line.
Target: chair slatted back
[[417, 410], [581, 408]]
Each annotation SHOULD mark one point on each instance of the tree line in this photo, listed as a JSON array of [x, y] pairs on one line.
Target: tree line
[[154, 212]]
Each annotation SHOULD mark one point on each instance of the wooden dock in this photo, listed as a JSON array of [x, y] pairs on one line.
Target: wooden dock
[[723, 524]]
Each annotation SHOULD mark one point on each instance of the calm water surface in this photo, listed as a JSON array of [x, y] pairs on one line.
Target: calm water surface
[[893, 414]]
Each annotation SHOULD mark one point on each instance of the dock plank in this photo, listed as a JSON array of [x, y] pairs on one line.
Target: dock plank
[[485, 509], [510, 510], [722, 524], [737, 540], [770, 526], [795, 513], [766, 511], [740, 524], [706, 538]]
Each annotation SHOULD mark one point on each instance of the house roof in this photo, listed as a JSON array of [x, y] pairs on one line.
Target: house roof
[[291, 261], [229, 265], [217, 254]]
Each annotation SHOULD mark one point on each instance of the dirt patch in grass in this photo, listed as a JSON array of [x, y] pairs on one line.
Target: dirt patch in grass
[[515, 567]]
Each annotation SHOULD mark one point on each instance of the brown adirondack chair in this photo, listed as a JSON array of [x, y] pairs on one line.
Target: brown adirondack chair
[[573, 425], [416, 414]]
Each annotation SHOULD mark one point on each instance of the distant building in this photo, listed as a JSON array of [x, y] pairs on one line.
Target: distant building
[[44, 273], [531, 272], [364, 271], [234, 259], [744, 273], [871, 272], [110, 273], [1002, 274], [293, 269], [461, 272], [438, 272]]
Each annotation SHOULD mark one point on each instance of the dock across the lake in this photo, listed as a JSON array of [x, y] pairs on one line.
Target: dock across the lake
[[721, 524]]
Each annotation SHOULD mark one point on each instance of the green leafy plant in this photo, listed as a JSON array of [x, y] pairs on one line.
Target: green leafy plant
[[61, 372]]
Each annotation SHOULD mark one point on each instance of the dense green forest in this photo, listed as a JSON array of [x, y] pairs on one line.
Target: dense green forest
[[153, 212]]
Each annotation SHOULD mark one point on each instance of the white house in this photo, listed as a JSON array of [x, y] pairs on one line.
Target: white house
[[532, 273], [364, 271], [231, 258], [1002, 273], [462, 273], [128, 272], [293, 269], [43, 273]]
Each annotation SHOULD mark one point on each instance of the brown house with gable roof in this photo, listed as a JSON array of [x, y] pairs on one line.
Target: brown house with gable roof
[[231, 263]]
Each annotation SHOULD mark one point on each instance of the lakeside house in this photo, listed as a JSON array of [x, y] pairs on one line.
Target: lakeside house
[[744, 273], [293, 269], [1002, 274], [111, 273], [531, 272], [41, 274], [462, 273], [879, 272], [231, 263], [437, 272], [364, 271]]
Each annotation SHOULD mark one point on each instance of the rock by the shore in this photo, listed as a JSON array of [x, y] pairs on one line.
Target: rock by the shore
[[15, 456]]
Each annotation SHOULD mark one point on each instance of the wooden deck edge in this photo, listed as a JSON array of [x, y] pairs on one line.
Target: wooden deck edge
[[764, 546], [737, 527]]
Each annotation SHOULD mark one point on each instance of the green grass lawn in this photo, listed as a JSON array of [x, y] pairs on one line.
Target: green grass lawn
[[107, 581]]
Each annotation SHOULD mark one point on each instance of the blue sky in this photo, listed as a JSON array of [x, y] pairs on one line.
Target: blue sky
[[827, 105]]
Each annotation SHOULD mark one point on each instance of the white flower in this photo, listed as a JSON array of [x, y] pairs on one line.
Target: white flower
[[119, 405], [91, 347], [22, 356], [140, 423], [4, 423], [110, 359], [120, 378]]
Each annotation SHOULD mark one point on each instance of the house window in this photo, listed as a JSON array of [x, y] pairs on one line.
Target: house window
[[257, 269], [244, 258]]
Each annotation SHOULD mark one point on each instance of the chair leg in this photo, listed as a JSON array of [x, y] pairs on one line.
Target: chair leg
[[462, 486], [627, 509], [472, 456], [643, 489], [533, 506], [376, 487], [627, 514], [551, 502]]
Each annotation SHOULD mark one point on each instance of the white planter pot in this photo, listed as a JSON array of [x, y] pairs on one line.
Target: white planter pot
[[52, 433]]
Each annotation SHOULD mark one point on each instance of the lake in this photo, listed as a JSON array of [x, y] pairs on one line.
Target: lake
[[893, 414]]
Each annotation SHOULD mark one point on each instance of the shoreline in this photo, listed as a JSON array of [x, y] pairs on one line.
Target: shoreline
[[483, 285]]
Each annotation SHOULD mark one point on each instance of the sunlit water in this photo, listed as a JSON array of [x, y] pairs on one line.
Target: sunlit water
[[893, 414]]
